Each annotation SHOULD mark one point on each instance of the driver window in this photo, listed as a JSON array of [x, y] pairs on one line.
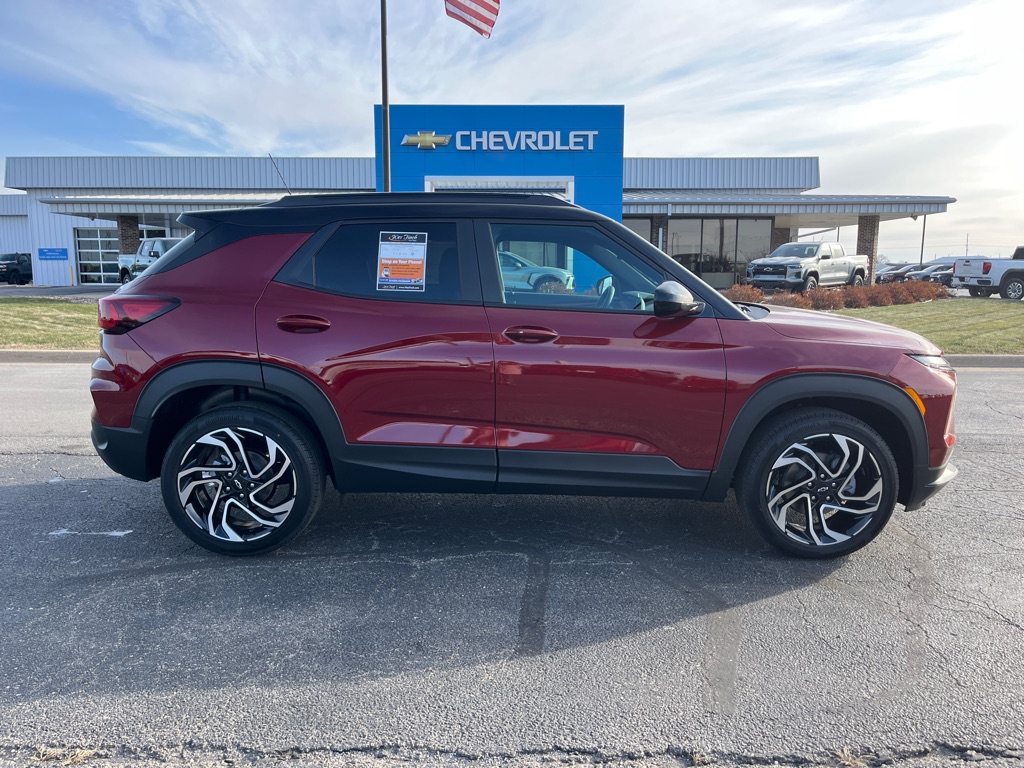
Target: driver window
[[571, 267]]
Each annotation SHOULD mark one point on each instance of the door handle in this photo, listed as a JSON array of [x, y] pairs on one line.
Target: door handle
[[303, 323], [528, 334]]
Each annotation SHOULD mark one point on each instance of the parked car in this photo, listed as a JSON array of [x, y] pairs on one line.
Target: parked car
[[370, 340], [923, 273], [983, 277], [16, 268], [895, 275], [520, 273], [132, 264], [805, 266]]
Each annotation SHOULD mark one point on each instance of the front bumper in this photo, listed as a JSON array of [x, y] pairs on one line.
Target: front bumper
[[932, 480]]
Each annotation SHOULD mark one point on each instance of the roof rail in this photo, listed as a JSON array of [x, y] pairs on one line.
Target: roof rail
[[377, 198]]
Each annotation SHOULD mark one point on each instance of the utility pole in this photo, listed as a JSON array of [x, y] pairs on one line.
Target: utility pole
[[385, 118]]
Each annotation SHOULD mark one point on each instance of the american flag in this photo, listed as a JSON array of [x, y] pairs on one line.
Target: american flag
[[478, 14]]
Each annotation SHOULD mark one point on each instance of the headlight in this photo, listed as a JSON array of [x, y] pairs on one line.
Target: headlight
[[932, 361]]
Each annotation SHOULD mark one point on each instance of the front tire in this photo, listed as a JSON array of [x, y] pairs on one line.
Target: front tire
[[810, 283], [243, 479], [818, 483], [1012, 289]]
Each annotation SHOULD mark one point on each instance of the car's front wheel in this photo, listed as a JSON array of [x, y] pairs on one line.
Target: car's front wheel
[[243, 479], [810, 283], [818, 483]]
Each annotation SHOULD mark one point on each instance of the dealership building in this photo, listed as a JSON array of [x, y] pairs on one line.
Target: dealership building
[[713, 215]]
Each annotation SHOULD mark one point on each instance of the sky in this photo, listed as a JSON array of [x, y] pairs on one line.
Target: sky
[[895, 97]]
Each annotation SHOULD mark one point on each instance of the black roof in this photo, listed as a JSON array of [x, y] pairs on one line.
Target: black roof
[[316, 210]]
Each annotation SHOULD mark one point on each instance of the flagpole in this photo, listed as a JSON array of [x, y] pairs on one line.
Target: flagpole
[[385, 121]]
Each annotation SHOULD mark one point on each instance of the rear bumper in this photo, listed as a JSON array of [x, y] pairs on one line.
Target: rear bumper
[[932, 480], [124, 450]]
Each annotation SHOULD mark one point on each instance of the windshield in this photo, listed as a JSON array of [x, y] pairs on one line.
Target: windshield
[[796, 250]]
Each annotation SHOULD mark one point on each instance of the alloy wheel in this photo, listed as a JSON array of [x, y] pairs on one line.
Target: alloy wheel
[[236, 484], [824, 489]]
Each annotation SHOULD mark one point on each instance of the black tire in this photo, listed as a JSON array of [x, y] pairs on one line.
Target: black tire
[[1012, 288], [983, 293], [125, 277], [546, 282], [220, 513], [14, 278], [810, 283], [817, 514], [858, 280]]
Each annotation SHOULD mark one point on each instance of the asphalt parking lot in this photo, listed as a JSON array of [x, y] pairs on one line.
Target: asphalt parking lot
[[431, 630]]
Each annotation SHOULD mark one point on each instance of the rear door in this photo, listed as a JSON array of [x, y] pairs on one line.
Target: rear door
[[592, 390], [386, 317]]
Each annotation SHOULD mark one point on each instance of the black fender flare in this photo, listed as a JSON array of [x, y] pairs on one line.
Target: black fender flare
[[876, 393], [244, 373]]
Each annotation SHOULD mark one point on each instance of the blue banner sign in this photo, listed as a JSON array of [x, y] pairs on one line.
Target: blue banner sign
[[53, 254]]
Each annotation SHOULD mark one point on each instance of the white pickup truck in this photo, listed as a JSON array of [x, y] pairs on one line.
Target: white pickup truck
[[130, 265], [983, 277], [805, 266]]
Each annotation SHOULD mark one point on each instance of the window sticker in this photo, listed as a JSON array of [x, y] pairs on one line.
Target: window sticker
[[402, 261]]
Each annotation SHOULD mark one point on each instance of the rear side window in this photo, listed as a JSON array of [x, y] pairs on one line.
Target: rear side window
[[395, 261]]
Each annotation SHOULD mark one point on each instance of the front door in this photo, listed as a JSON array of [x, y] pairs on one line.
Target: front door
[[591, 388]]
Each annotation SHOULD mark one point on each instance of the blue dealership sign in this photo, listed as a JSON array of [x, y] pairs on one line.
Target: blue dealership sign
[[53, 254], [574, 150]]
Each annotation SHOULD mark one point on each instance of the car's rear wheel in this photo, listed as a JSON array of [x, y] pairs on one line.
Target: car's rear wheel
[[858, 280], [243, 479], [125, 277], [1012, 289], [818, 483]]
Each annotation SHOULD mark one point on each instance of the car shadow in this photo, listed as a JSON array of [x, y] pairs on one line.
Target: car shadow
[[381, 585]]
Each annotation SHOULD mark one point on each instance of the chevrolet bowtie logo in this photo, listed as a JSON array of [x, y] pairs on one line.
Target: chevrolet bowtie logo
[[426, 140]]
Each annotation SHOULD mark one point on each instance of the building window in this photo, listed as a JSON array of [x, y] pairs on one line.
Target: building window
[[718, 250], [641, 226], [97, 250]]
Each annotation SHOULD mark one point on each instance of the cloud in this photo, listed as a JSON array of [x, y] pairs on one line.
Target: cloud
[[895, 98]]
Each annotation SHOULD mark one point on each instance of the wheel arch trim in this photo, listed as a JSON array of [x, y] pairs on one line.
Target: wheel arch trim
[[817, 386], [183, 376]]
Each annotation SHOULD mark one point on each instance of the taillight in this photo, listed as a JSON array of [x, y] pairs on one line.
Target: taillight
[[120, 314], [986, 267]]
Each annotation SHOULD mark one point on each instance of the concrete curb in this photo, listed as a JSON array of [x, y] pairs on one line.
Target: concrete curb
[[88, 356]]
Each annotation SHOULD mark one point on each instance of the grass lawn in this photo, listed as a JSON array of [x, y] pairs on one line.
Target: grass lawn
[[959, 326], [47, 324]]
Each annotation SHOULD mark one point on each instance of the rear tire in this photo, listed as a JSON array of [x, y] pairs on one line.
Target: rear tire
[[243, 479], [1012, 289], [858, 281], [125, 277], [818, 483]]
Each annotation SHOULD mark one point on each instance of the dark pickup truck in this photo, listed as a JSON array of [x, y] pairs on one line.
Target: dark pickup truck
[[15, 268]]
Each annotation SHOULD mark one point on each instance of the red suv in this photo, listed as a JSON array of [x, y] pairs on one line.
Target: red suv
[[373, 339]]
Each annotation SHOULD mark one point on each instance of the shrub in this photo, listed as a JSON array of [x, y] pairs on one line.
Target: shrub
[[899, 294], [855, 297], [744, 293], [922, 291], [786, 299], [879, 296], [825, 299]]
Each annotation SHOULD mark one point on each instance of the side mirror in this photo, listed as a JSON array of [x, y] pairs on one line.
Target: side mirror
[[673, 300], [154, 255]]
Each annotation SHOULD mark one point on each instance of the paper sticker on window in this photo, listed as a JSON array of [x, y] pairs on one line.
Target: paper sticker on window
[[402, 261]]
